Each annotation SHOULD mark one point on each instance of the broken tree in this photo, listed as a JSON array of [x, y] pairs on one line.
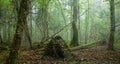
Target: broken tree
[[55, 47]]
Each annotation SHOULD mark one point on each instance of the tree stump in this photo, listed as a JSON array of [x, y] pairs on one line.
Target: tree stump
[[55, 47]]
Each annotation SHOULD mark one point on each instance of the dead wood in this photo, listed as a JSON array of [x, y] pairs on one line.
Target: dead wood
[[99, 43]]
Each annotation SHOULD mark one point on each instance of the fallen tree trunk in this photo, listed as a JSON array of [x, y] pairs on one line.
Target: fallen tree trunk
[[99, 43]]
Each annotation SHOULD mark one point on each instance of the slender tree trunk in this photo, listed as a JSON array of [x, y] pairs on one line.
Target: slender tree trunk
[[9, 32], [4, 33], [74, 41], [22, 18], [86, 29], [30, 19], [87, 23], [1, 38], [112, 28], [79, 28], [0, 26], [44, 19]]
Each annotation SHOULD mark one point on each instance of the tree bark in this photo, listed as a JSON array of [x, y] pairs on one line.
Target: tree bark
[[1, 38], [79, 26], [74, 41], [87, 23], [27, 30], [0, 26], [112, 28], [22, 18], [28, 36], [44, 19]]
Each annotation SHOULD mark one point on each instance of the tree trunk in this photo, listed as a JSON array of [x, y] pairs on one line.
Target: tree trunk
[[87, 23], [1, 38], [79, 28], [27, 34], [74, 41], [112, 28], [22, 18], [86, 29], [0, 26], [45, 19]]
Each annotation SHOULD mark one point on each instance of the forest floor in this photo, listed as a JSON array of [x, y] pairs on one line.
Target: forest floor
[[96, 55]]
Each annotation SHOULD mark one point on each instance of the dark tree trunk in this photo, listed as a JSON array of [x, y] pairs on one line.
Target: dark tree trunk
[[112, 28], [0, 26], [22, 18], [1, 41], [74, 41]]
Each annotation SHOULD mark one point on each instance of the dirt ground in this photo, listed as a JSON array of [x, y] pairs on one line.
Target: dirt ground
[[85, 56]]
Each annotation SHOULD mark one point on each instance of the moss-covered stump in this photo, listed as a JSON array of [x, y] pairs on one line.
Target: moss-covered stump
[[55, 47]]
